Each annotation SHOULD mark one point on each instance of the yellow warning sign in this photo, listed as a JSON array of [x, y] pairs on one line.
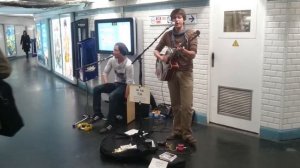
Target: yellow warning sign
[[235, 43]]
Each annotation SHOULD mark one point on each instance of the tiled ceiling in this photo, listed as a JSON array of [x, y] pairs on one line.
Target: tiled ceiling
[[12, 7]]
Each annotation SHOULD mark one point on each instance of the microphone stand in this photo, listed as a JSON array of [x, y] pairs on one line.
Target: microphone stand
[[139, 57], [87, 116]]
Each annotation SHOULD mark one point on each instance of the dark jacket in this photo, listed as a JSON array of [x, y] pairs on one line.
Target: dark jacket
[[25, 41]]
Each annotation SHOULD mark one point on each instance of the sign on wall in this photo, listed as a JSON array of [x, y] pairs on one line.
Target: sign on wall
[[166, 19]]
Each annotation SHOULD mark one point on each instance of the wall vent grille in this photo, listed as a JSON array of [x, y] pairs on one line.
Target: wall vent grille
[[235, 102]]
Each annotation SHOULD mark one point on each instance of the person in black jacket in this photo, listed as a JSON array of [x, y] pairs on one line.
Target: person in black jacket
[[25, 42]]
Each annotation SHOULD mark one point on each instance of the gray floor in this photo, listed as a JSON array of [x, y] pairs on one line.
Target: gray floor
[[50, 106]]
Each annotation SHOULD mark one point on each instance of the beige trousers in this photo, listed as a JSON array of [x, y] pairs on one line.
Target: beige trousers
[[181, 93]]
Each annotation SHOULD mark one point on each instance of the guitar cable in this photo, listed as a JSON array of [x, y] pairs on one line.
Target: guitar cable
[[162, 92]]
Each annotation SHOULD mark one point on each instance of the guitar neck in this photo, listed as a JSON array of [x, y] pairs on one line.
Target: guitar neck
[[195, 35]]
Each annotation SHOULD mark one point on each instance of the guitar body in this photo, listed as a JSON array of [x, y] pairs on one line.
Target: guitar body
[[165, 70]]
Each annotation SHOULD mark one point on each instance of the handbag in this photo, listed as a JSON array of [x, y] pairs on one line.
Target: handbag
[[10, 120]]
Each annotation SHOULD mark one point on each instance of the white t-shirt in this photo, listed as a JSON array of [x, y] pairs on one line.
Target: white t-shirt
[[123, 71]]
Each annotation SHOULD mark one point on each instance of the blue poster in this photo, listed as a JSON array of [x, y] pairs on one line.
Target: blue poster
[[10, 40], [38, 44], [45, 42]]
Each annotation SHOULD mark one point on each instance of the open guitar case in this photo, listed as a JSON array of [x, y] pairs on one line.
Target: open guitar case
[[114, 141], [143, 153]]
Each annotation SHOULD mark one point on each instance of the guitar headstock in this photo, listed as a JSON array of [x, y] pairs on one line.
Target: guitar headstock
[[197, 33]]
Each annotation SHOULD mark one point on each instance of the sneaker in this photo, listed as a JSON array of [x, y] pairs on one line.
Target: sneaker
[[119, 117], [98, 117], [105, 129], [190, 140]]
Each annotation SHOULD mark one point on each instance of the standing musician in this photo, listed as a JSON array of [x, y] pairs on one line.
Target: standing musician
[[181, 83]]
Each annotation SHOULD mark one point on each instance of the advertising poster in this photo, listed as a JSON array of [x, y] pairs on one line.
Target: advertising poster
[[45, 42], [10, 40], [38, 44], [57, 53], [65, 28]]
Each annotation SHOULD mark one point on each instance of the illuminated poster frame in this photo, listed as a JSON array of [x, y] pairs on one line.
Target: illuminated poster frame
[[45, 42], [42, 43], [10, 40], [65, 29], [56, 41], [39, 48], [61, 40]]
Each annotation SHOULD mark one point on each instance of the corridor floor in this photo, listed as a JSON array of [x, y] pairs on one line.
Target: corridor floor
[[49, 106]]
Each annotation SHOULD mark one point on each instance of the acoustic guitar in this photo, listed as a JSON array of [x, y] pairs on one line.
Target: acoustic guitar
[[165, 70]]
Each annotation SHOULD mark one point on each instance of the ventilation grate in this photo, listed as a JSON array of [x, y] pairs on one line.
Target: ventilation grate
[[235, 102]]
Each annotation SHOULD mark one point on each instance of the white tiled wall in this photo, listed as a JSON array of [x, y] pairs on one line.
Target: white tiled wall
[[146, 34], [281, 77], [159, 88], [291, 117]]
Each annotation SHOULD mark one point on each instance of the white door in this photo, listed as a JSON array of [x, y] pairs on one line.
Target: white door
[[236, 64]]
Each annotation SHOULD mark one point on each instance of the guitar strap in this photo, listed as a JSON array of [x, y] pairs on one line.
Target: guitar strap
[[173, 42]]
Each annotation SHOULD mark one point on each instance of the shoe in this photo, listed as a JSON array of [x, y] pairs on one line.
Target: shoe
[[174, 136], [190, 140], [98, 117], [105, 129], [119, 117]]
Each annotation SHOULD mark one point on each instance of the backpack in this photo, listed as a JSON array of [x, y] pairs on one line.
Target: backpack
[[10, 120]]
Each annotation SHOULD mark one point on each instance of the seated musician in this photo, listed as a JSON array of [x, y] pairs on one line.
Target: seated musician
[[118, 90]]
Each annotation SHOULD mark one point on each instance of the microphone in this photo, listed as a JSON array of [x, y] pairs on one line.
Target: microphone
[[171, 25], [103, 59]]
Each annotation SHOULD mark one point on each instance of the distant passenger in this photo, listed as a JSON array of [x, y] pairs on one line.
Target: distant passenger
[[25, 42], [118, 90]]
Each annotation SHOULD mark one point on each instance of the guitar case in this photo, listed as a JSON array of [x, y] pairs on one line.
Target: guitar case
[[114, 141], [143, 153]]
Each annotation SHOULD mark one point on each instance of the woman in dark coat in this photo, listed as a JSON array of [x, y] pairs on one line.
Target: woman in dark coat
[[25, 42]]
